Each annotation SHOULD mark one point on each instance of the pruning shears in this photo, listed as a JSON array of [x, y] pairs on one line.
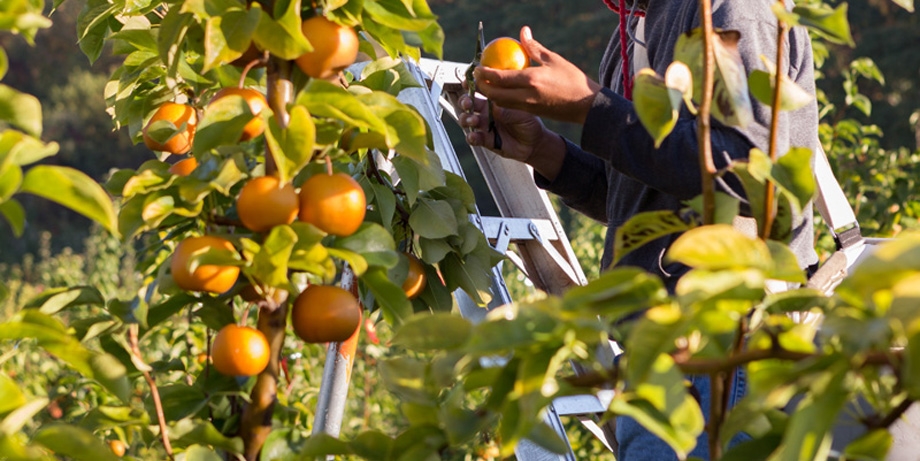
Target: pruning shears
[[471, 85]]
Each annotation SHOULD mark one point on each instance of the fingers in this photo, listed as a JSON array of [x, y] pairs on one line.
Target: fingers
[[538, 53]]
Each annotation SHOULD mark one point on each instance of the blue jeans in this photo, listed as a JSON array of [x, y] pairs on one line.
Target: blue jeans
[[638, 444]]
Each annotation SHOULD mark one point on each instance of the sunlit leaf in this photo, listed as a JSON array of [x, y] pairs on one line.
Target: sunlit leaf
[[54, 300], [21, 110], [645, 227], [291, 147], [616, 293], [281, 36], [19, 417], [872, 445], [906, 4], [324, 99], [11, 397], [73, 189], [373, 243], [228, 36], [222, 123], [15, 215], [389, 296], [656, 105], [191, 432], [832, 24], [807, 436], [270, 264], [793, 97], [717, 247]]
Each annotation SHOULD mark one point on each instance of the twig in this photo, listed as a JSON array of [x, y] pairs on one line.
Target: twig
[[707, 167], [770, 192], [157, 404], [890, 418], [717, 392]]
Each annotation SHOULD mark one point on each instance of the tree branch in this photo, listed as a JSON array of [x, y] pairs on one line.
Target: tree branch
[[707, 167], [157, 403], [770, 192]]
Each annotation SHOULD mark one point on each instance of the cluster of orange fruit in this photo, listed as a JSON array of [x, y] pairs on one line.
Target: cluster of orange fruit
[[334, 203]]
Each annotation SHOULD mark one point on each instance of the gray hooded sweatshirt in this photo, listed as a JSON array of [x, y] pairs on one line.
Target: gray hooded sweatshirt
[[616, 172]]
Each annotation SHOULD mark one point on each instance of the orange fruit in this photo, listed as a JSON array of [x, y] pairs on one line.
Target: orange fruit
[[415, 279], [206, 277], [334, 203], [184, 167], [184, 118], [256, 102], [118, 447], [201, 358], [335, 47], [505, 53], [263, 203], [240, 351], [323, 313]]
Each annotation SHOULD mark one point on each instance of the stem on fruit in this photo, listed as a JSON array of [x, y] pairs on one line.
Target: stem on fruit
[[256, 422], [770, 192], [157, 403], [329, 169], [707, 167]]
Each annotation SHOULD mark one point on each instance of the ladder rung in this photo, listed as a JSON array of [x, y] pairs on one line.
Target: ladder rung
[[586, 404]]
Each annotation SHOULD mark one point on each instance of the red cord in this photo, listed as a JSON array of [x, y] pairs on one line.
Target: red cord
[[624, 56]]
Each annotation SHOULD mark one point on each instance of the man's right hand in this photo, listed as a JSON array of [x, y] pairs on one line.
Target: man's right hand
[[523, 136]]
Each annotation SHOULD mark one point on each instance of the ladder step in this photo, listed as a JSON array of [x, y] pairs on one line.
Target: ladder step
[[586, 404]]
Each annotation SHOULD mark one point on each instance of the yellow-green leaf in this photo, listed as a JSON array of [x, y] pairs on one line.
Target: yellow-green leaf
[[73, 189]]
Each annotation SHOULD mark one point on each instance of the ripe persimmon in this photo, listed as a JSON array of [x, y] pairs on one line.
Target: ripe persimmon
[[240, 351], [184, 167], [256, 102], [263, 203], [505, 53], [335, 47], [206, 277], [323, 313], [415, 279], [184, 118], [334, 203], [117, 447]]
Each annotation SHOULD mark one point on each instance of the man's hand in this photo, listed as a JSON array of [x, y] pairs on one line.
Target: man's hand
[[554, 88], [524, 137]]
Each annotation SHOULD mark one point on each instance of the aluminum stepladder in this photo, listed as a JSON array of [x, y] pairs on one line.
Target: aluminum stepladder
[[528, 220]]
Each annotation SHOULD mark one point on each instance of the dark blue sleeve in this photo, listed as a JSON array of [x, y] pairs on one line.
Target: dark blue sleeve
[[581, 182], [613, 133]]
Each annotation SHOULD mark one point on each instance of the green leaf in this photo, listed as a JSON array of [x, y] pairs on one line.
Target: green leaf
[[719, 247], [173, 31], [656, 105], [727, 207], [433, 219], [282, 37], [324, 99], [431, 332], [323, 444], [228, 36], [73, 189], [21, 110], [11, 397], [372, 242], [807, 436], [392, 300], [10, 180], [4, 63], [74, 442], [15, 214], [662, 405], [731, 104], [54, 300], [762, 85], [472, 274], [616, 293], [794, 176], [270, 264], [407, 132], [201, 453], [222, 123], [830, 23], [179, 401], [645, 227], [291, 147], [873, 445], [192, 432]]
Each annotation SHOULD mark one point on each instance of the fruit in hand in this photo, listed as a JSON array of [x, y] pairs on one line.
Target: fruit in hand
[[264, 204], [184, 167], [183, 117], [256, 102], [206, 277], [240, 351], [505, 53], [334, 203], [335, 47], [415, 279], [323, 313]]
